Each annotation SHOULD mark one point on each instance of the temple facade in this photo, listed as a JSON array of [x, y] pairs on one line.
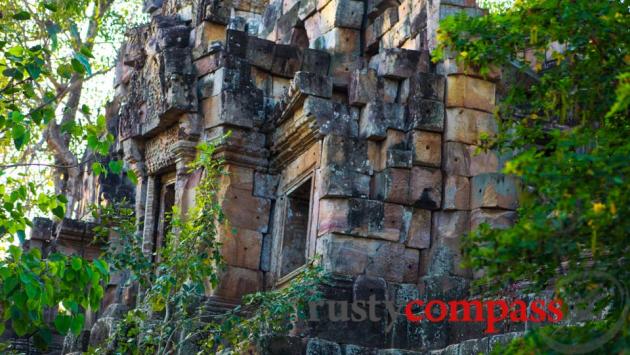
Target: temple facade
[[347, 142]]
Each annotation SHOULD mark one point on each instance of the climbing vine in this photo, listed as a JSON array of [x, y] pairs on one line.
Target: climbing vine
[[189, 264]]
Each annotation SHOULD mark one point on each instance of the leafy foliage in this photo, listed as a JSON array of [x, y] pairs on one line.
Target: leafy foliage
[[31, 285], [565, 119], [266, 313]]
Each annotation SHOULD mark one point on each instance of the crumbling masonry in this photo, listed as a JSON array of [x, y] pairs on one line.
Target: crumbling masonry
[[346, 142]]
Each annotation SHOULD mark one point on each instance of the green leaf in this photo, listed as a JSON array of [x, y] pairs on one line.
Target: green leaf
[[59, 211], [50, 6], [85, 62], [132, 177], [63, 323], [12, 73], [74, 30], [32, 290], [16, 252], [115, 166], [101, 266], [9, 284], [76, 263], [22, 16], [77, 324], [77, 66], [19, 135], [98, 169], [53, 30], [65, 71], [33, 70], [21, 236], [86, 52]]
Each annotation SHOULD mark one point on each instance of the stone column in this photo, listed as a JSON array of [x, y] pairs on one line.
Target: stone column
[[149, 217], [184, 154]]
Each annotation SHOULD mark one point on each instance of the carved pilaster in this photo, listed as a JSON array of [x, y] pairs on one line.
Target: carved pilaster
[[149, 217], [184, 152]]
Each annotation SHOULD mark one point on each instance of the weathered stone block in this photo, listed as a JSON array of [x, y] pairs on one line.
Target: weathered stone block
[[392, 185], [346, 152], [240, 109], [360, 217], [495, 218], [494, 190], [224, 79], [286, 60], [377, 117], [388, 90], [426, 115], [456, 193], [398, 63], [400, 32], [394, 152], [208, 63], [396, 158], [419, 235], [341, 119], [288, 24], [342, 13], [317, 346], [380, 26], [205, 34], [260, 52], [234, 282], [339, 41], [313, 84], [237, 177], [246, 211], [344, 182], [365, 287], [463, 159], [426, 86], [342, 67], [236, 43], [445, 254], [362, 87], [354, 256], [470, 92], [427, 148], [315, 61], [466, 126], [262, 80], [425, 187], [450, 66], [265, 185], [242, 248], [279, 87], [274, 344], [313, 27], [307, 9]]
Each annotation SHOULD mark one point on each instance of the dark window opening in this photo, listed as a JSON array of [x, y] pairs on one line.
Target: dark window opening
[[295, 233], [167, 201]]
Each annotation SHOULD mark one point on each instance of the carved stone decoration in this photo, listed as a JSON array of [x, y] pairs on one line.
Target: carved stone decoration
[[159, 153], [164, 87]]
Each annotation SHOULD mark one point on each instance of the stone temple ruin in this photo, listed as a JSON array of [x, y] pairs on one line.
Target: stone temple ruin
[[346, 142]]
